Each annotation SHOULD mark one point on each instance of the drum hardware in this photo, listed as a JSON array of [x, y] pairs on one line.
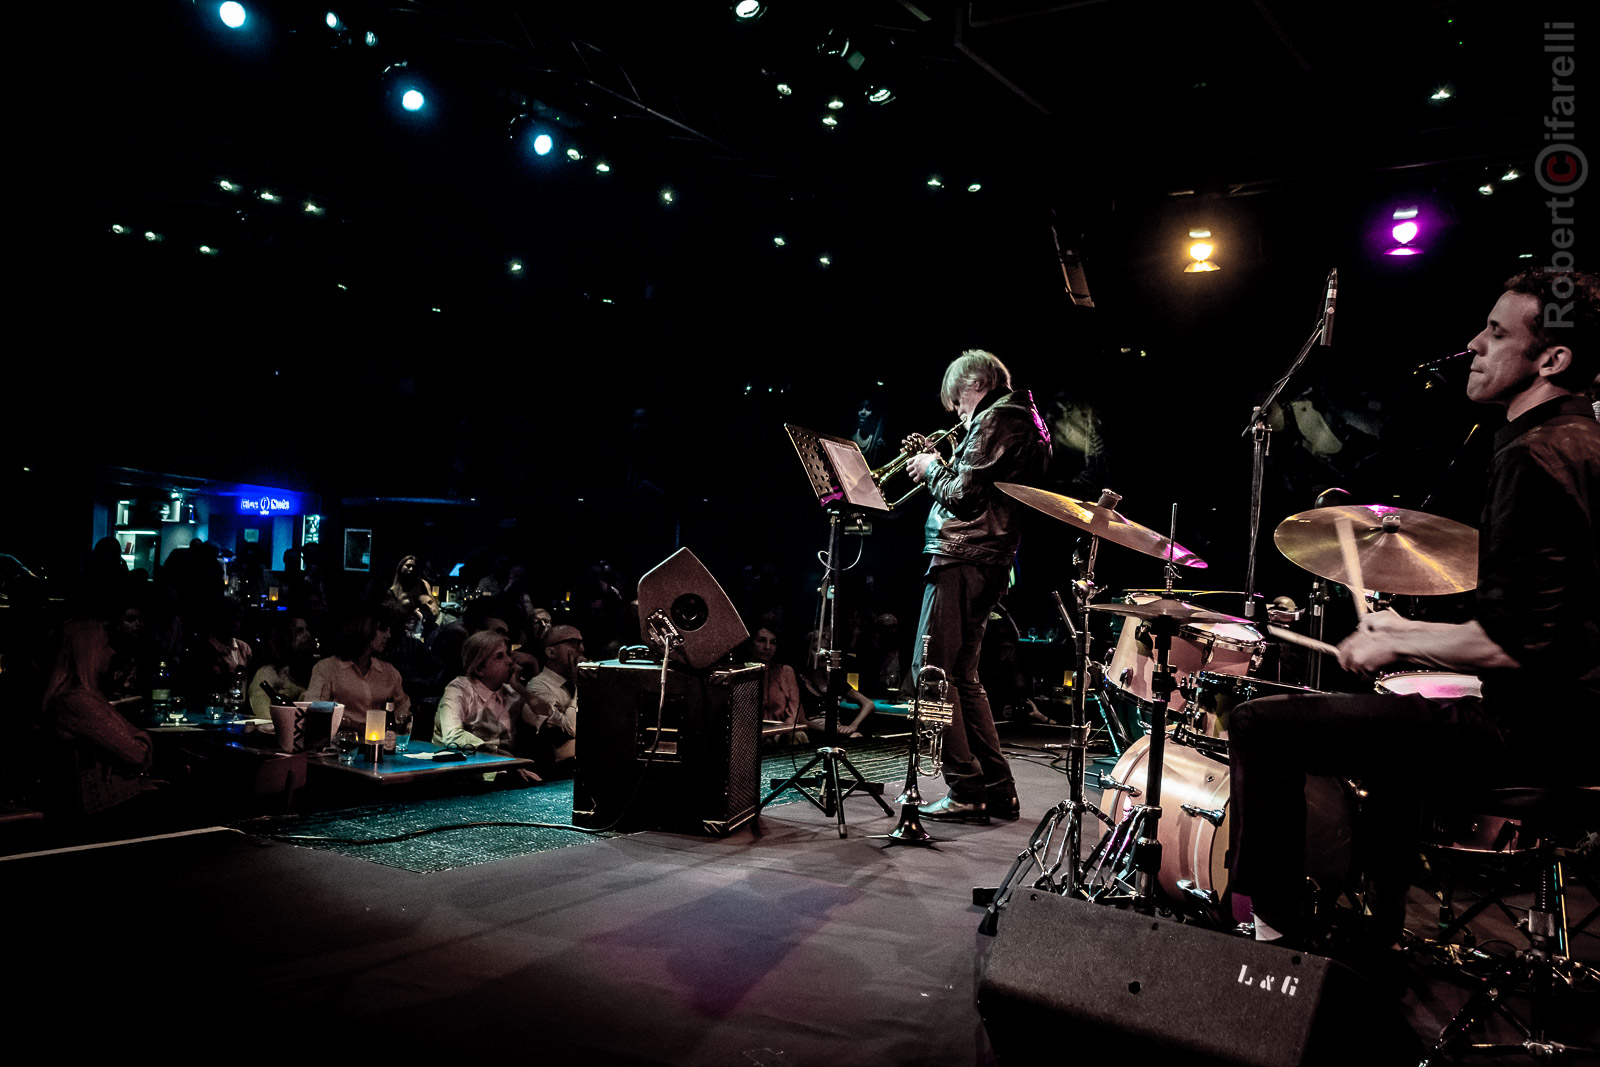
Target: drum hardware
[[1214, 816], [1055, 846], [928, 721]]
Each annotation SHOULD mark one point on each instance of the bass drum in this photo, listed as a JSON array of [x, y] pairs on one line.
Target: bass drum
[[1193, 831]]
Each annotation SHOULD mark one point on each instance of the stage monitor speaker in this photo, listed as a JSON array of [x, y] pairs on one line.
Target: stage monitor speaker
[[1066, 974], [682, 588], [705, 774]]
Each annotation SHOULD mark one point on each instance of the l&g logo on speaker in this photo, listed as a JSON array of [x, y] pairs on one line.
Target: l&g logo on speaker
[[1287, 984]]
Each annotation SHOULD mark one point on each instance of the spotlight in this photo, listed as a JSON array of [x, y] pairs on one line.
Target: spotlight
[[515, 266], [332, 19], [231, 14], [749, 10], [574, 155], [1486, 189], [412, 100], [602, 167], [830, 121], [669, 197], [973, 187], [835, 104], [784, 89], [542, 144], [1200, 253], [1404, 232], [879, 94], [1511, 175], [777, 241]]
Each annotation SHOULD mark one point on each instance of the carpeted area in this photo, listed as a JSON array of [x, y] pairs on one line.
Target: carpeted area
[[443, 833]]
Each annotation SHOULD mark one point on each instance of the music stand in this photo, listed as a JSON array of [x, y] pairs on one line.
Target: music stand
[[842, 482]]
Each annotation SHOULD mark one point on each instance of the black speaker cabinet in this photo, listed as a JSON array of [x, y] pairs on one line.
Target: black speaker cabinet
[[1066, 973], [703, 777], [681, 588]]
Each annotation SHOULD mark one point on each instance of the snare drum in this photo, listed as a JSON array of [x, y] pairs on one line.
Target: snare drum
[[1229, 648], [1216, 694], [1193, 830], [1435, 685]]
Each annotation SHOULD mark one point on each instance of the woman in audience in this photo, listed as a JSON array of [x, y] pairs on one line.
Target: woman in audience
[[819, 688], [780, 693], [480, 708], [354, 675], [101, 758], [291, 647]]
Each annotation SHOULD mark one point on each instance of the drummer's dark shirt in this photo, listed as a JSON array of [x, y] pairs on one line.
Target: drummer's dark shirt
[[1538, 593]]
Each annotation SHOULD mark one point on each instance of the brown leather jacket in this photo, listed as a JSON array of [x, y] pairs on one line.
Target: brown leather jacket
[[1007, 441]]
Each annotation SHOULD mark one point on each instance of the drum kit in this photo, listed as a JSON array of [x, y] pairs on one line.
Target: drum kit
[[1164, 806]]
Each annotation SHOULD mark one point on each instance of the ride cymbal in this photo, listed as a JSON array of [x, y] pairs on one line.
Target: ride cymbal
[[1167, 609], [1399, 551]]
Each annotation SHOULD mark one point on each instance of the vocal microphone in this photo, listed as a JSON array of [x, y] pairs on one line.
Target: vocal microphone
[[1330, 303], [1440, 363]]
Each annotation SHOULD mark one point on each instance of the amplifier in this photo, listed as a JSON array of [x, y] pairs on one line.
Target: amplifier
[[692, 764]]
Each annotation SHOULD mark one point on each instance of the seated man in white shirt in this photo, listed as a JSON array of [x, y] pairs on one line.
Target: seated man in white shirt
[[549, 728]]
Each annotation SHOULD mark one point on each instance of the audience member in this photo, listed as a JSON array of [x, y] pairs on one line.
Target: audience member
[[354, 675], [99, 758], [134, 653], [780, 691], [291, 650], [412, 593], [482, 709], [821, 688], [549, 731], [481, 613]]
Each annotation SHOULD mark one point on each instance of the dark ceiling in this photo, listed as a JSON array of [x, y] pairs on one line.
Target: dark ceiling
[[1106, 129]]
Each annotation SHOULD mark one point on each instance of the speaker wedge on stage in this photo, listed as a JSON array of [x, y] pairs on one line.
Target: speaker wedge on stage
[[1100, 978], [679, 597]]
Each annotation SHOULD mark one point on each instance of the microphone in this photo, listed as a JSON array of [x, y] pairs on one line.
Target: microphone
[[1438, 364], [1330, 304]]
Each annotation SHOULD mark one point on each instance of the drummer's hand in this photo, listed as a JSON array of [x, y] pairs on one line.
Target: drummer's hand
[[1388, 623], [917, 466], [1366, 652]]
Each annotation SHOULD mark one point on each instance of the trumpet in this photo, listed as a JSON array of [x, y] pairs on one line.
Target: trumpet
[[882, 474], [928, 721]]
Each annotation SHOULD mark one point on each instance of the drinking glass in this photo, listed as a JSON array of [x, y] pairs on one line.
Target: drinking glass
[[402, 730], [349, 742]]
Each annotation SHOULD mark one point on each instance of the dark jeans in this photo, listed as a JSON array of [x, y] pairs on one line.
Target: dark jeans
[[956, 601], [1399, 749]]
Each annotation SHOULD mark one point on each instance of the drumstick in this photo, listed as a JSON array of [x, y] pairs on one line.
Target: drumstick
[[1295, 639], [1352, 564]]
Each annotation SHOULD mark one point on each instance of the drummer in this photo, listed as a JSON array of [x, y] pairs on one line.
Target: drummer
[[1534, 640]]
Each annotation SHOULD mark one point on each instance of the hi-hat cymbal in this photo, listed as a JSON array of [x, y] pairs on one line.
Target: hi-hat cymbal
[[1399, 551], [1102, 522], [1167, 609]]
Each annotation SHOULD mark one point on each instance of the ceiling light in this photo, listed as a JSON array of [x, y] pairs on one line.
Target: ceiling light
[[1511, 175], [835, 104], [412, 100], [1442, 93], [748, 10], [542, 144], [880, 94], [935, 182], [668, 196], [515, 266], [785, 89], [574, 155], [231, 14], [777, 241], [829, 121], [1486, 189], [1200, 234], [973, 187], [1200, 253], [1409, 212], [826, 261], [602, 167]]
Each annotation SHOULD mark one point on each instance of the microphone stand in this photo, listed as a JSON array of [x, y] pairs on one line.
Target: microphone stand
[[1261, 434]]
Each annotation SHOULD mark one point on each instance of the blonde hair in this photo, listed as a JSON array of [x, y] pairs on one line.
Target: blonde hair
[[478, 648], [972, 367]]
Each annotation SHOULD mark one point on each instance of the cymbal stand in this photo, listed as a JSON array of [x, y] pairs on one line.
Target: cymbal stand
[[1057, 842]]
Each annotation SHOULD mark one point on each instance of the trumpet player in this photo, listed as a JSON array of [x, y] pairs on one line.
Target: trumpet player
[[971, 537]]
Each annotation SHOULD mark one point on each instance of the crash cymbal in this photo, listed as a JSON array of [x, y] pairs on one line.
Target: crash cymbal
[[1102, 522], [1399, 551], [1167, 609]]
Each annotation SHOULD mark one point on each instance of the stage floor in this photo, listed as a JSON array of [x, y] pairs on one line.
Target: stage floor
[[781, 944]]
